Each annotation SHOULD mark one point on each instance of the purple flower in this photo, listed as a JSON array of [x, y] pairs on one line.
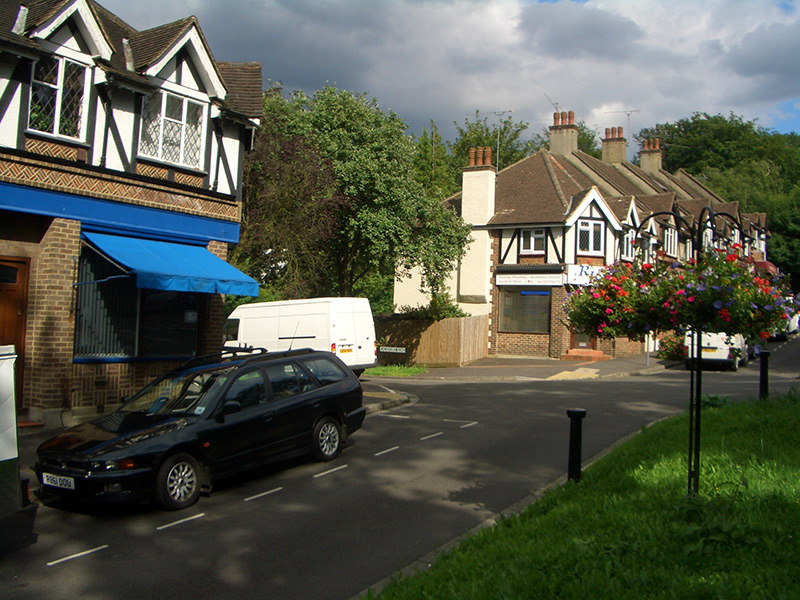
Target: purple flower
[[718, 304]]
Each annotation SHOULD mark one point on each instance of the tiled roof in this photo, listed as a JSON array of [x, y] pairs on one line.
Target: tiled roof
[[243, 83], [245, 87]]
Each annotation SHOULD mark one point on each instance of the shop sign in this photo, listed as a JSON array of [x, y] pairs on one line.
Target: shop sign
[[582, 274], [544, 279]]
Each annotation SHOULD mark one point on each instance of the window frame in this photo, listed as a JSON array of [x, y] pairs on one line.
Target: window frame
[[671, 241], [59, 93], [510, 323], [535, 236], [628, 251], [590, 225], [162, 118]]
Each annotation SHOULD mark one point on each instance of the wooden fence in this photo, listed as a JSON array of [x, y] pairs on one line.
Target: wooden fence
[[446, 343]]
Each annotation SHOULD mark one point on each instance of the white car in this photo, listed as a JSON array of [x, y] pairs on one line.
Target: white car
[[718, 348]]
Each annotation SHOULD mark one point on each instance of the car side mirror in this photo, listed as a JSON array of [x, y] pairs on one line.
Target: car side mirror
[[230, 407]]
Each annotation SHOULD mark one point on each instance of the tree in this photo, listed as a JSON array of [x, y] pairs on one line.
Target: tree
[[290, 209], [504, 137], [432, 164], [363, 214]]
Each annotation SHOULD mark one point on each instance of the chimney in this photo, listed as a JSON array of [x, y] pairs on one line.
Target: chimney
[[615, 146], [477, 189], [564, 134], [651, 157]]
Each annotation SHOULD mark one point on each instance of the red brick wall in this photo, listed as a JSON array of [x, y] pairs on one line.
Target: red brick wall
[[51, 316]]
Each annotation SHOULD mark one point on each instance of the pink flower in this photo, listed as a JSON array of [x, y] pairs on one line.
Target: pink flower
[[609, 311]]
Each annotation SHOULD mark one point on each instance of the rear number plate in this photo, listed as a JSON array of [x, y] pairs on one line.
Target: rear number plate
[[67, 483], [343, 350]]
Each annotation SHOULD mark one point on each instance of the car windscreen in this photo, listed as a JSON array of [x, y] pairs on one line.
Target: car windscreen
[[192, 392]]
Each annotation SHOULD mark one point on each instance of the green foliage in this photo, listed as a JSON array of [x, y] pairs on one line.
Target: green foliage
[[332, 199], [440, 307], [432, 165], [480, 133], [719, 292], [627, 530], [670, 347], [396, 371]]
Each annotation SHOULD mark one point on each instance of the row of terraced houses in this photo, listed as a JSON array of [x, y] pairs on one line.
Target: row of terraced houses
[[551, 221], [121, 157]]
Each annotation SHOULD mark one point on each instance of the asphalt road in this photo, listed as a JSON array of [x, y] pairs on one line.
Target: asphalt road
[[412, 480]]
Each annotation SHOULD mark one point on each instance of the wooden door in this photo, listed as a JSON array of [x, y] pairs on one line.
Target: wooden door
[[13, 311]]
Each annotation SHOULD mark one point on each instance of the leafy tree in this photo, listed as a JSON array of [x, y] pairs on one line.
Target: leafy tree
[[432, 164], [290, 209], [506, 134], [335, 196]]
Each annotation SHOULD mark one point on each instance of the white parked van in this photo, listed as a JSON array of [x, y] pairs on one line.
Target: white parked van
[[720, 348], [343, 326]]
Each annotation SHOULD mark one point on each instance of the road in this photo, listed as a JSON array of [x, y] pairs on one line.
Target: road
[[412, 480]]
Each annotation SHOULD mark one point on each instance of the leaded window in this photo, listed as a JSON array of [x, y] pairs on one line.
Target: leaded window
[[590, 236], [172, 129], [57, 97]]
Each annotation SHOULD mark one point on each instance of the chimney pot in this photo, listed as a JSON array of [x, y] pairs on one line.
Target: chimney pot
[[572, 117], [608, 133], [658, 143], [556, 119], [472, 157], [479, 157], [647, 144], [563, 118], [613, 133], [619, 132], [487, 156]]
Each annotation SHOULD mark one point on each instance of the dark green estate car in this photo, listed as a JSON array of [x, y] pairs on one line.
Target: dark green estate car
[[211, 417]]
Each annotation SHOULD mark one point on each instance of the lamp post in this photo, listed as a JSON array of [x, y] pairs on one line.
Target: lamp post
[[706, 222]]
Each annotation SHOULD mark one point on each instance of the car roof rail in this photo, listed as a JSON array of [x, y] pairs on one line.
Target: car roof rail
[[228, 352], [279, 354]]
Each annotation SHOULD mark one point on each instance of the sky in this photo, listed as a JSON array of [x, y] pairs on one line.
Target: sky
[[629, 63]]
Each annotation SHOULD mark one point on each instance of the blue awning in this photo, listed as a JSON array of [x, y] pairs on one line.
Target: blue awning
[[173, 267]]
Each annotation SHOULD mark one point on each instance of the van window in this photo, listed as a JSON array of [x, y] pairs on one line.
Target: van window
[[231, 330], [324, 370]]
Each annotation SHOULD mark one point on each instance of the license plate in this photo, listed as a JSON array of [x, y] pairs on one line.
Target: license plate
[[344, 350], [707, 350], [66, 483]]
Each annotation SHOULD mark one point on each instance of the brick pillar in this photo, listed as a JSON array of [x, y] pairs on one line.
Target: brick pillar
[[213, 311], [51, 317]]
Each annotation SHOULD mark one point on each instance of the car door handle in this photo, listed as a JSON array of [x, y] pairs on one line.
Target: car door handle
[[268, 416]]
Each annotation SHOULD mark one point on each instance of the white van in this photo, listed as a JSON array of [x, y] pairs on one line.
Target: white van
[[720, 348], [343, 326]]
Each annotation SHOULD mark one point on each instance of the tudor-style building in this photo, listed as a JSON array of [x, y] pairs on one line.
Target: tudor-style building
[[121, 156], [552, 220]]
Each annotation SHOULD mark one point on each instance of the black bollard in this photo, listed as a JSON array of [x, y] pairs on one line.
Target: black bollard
[[763, 385], [576, 416]]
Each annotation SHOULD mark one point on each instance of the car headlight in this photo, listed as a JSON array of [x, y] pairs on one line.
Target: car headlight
[[114, 465]]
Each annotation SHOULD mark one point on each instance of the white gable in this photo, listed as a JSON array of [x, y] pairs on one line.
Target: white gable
[[593, 203], [86, 23], [202, 61]]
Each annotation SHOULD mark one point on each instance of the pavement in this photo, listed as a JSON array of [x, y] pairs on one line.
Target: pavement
[[379, 396]]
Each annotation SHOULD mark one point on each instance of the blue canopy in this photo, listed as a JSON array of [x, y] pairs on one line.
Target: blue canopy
[[173, 267]]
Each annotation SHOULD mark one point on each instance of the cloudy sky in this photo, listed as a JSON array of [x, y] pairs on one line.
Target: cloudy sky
[[614, 62]]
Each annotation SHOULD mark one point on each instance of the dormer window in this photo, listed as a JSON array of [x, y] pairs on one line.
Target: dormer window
[[532, 241], [172, 129], [57, 97]]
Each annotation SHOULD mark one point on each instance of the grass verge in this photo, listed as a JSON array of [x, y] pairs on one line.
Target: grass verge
[[396, 371], [629, 530]]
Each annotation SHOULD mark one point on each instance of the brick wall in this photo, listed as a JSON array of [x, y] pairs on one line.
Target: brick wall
[[50, 330]]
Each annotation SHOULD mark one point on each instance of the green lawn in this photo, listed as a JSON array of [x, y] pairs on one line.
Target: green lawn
[[629, 530], [396, 371]]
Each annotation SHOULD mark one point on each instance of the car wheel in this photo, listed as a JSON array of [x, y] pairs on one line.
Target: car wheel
[[178, 482], [327, 440]]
